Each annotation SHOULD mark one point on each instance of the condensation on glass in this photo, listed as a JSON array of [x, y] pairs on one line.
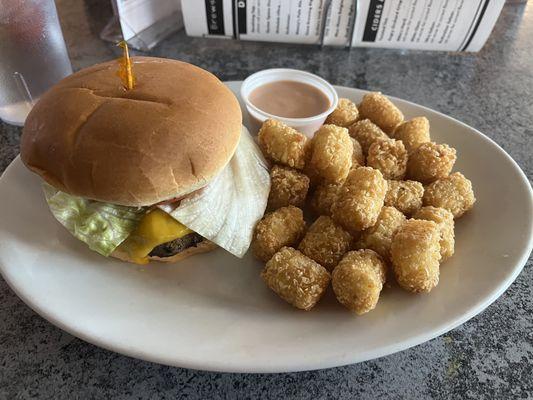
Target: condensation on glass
[[33, 55]]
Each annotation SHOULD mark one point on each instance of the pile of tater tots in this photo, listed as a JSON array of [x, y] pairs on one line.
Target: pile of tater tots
[[382, 198]]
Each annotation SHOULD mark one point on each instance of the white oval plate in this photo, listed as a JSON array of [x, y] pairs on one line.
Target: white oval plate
[[213, 312]]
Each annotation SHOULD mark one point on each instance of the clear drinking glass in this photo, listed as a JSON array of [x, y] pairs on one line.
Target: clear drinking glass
[[33, 55]]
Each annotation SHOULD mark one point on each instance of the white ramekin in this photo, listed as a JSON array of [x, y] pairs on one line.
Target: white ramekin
[[307, 126]]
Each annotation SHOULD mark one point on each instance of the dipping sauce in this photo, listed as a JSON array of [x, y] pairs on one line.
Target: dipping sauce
[[290, 99]]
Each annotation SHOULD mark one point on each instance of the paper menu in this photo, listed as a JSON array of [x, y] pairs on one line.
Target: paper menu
[[450, 25], [270, 20]]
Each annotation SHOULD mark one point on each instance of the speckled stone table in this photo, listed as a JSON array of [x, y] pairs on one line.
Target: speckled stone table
[[489, 357]]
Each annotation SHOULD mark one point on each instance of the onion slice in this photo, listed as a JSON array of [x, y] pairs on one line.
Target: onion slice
[[226, 210]]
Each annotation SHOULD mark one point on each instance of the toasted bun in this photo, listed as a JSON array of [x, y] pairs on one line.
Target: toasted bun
[[201, 247], [168, 136]]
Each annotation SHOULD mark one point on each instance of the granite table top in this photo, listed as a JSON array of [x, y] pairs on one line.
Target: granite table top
[[488, 357]]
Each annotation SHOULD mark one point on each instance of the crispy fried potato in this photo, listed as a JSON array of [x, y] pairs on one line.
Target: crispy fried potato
[[358, 157], [282, 144], [381, 111], [415, 255], [344, 115], [325, 242], [405, 196], [413, 133], [431, 161], [288, 188], [360, 199], [444, 220], [389, 156], [379, 237], [332, 152], [453, 193], [358, 280], [366, 133], [283, 227], [324, 197], [296, 278]]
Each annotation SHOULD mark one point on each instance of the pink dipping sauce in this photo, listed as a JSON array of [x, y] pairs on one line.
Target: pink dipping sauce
[[290, 99]]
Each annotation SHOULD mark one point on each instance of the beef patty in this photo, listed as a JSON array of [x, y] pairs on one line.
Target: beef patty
[[176, 246]]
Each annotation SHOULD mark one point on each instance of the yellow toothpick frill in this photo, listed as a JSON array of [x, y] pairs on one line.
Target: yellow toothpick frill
[[125, 71]]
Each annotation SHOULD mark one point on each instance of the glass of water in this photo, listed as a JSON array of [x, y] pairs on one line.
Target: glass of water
[[33, 55]]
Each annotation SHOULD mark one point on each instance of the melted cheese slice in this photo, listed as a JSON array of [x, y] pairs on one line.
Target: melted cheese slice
[[155, 228]]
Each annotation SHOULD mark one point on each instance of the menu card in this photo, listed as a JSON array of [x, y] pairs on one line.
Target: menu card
[[448, 25]]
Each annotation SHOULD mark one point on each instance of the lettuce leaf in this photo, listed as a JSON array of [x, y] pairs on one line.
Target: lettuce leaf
[[102, 226]]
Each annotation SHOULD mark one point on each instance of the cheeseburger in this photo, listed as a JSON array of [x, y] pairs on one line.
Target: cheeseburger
[[123, 169]]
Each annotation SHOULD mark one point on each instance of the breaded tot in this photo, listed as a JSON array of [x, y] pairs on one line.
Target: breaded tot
[[366, 133], [296, 278], [344, 115], [415, 255], [453, 193], [310, 171], [325, 242], [389, 156], [283, 227], [360, 199], [405, 196], [413, 133], [379, 237], [282, 144], [444, 220], [431, 161], [288, 188], [381, 111], [358, 157], [323, 198], [332, 151], [358, 280]]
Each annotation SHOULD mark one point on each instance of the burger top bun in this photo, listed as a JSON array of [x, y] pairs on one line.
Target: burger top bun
[[167, 137]]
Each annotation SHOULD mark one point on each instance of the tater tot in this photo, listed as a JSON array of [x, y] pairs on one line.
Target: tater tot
[[311, 173], [389, 156], [282, 144], [332, 153], [413, 133], [366, 133], [323, 198], [288, 188], [453, 193], [283, 227], [325, 242], [358, 280], [379, 237], [360, 199], [405, 196], [358, 157], [344, 115], [415, 255], [444, 220], [381, 111], [296, 278], [431, 161]]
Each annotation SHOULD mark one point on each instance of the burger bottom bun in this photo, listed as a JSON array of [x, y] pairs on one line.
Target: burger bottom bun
[[202, 247]]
